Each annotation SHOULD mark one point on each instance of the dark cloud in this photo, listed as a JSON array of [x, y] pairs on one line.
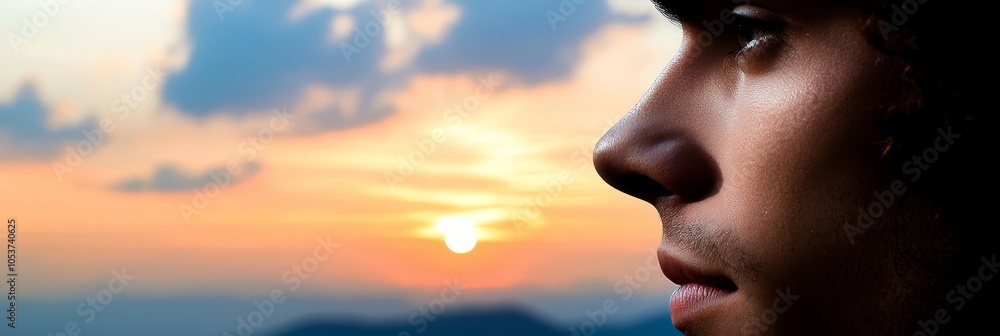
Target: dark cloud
[[256, 58], [24, 132], [535, 41], [168, 178]]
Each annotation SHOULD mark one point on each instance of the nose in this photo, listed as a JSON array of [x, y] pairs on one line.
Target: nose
[[652, 152]]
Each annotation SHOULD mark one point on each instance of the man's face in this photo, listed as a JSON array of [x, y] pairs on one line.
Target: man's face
[[755, 145]]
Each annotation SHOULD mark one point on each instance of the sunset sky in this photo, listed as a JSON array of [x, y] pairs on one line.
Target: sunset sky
[[209, 150]]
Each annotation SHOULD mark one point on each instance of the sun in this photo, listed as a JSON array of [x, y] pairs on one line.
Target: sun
[[459, 235]]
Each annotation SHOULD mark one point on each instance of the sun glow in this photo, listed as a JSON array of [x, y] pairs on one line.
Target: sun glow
[[459, 234]]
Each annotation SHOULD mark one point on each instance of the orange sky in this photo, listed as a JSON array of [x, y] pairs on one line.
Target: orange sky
[[496, 164]]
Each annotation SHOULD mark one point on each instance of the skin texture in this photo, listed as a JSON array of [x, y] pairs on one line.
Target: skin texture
[[755, 160]]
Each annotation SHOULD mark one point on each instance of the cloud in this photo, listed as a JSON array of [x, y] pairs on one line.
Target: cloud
[[534, 41], [256, 58], [168, 178], [266, 54], [24, 132]]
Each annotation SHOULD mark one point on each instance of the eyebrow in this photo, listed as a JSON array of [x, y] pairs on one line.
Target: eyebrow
[[673, 9], [680, 10]]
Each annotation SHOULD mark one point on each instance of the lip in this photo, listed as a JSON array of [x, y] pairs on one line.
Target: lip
[[698, 291]]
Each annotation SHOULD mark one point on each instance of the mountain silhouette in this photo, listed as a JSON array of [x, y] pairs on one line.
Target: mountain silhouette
[[498, 321]]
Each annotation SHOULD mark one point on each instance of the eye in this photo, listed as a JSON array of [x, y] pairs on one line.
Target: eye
[[759, 35], [754, 34]]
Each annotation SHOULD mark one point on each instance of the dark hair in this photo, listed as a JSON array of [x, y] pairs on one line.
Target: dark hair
[[937, 46]]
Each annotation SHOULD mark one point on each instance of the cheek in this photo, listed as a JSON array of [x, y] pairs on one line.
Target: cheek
[[798, 155]]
